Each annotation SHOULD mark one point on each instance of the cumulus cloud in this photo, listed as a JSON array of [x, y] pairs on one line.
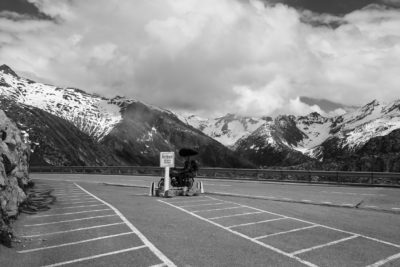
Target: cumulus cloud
[[208, 57]]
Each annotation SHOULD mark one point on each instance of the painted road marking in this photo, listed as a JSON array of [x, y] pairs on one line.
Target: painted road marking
[[89, 201], [73, 230], [74, 243], [74, 207], [229, 208], [73, 220], [95, 256], [324, 245], [72, 194], [327, 202], [234, 215], [395, 208], [67, 213], [245, 224], [306, 200], [286, 232], [244, 236], [384, 261], [370, 206], [198, 205], [293, 254], [147, 243]]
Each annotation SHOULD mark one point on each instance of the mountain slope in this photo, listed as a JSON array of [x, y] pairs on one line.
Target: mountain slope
[[324, 139], [227, 129], [118, 130]]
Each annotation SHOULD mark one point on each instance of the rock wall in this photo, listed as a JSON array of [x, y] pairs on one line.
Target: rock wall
[[14, 177]]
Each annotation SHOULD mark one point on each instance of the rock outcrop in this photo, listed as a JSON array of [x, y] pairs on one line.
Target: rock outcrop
[[14, 178]]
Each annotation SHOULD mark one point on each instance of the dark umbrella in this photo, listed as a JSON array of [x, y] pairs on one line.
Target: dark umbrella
[[187, 152]]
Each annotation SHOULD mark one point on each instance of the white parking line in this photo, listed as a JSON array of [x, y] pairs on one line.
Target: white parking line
[[234, 215], [74, 243], [74, 198], [208, 204], [72, 194], [384, 261], [395, 208], [245, 224], [67, 213], [327, 202], [286, 232], [291, 255], [73, 230], [370, 206], [150, 245], [95, 256], [74, 207], [89, 201], [229, 208], [324, 245], [190, 201], [244, 236], [306, 200], [73, 220]]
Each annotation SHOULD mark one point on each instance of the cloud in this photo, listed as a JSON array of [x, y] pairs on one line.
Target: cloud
[[208, 57]]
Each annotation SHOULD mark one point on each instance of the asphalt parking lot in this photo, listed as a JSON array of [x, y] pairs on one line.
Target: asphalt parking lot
[[93, 224]]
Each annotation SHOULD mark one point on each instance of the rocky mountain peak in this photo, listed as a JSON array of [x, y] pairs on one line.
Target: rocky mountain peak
[[7, 70]]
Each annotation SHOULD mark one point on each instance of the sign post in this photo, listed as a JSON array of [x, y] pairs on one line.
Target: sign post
[[167, 160]]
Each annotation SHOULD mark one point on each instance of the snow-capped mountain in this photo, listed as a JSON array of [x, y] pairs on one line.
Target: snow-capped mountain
[[288, 140], [322, 138], [71, 127], [92, 114], [227, 129]]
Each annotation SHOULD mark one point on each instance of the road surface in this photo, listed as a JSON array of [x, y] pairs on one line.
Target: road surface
[[93, 224]]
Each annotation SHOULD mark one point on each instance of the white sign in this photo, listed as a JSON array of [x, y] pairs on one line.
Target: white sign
[[167, 159]]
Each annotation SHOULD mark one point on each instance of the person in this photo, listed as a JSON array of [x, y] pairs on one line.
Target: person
[[188, 171]]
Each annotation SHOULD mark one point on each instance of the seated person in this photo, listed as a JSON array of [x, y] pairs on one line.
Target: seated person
[[188, 171]]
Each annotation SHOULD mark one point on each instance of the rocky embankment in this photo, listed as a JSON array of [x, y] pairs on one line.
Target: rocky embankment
[[14, 177]]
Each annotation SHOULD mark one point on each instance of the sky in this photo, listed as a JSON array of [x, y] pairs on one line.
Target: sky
[[210, 57]]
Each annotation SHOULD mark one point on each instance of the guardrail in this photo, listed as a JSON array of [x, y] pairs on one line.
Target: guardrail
[[298, 176]]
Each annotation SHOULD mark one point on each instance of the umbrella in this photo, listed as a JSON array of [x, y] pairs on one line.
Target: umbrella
[[187, 152]]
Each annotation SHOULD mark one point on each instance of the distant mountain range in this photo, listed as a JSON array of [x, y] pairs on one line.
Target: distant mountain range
[[68, 126], [314, 140]]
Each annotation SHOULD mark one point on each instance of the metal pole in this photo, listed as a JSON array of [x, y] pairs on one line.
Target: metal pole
[[166, 180]]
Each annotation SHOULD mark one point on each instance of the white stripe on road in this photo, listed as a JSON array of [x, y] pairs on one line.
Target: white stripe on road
[[229, 208], [150, 245], [74, 243], [324, 245], [73, 230], [208, 204], [73, 220], [244, 236], [95, 256], [384, 261], [68, 213], [72, 194], [286, 232], [89, 201], [395, 208], [245, 224], [74, 207], [234, 215]]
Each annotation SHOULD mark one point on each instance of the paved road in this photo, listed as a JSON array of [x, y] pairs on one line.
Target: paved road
[[363, 197], [96, 225], [99, 225]]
